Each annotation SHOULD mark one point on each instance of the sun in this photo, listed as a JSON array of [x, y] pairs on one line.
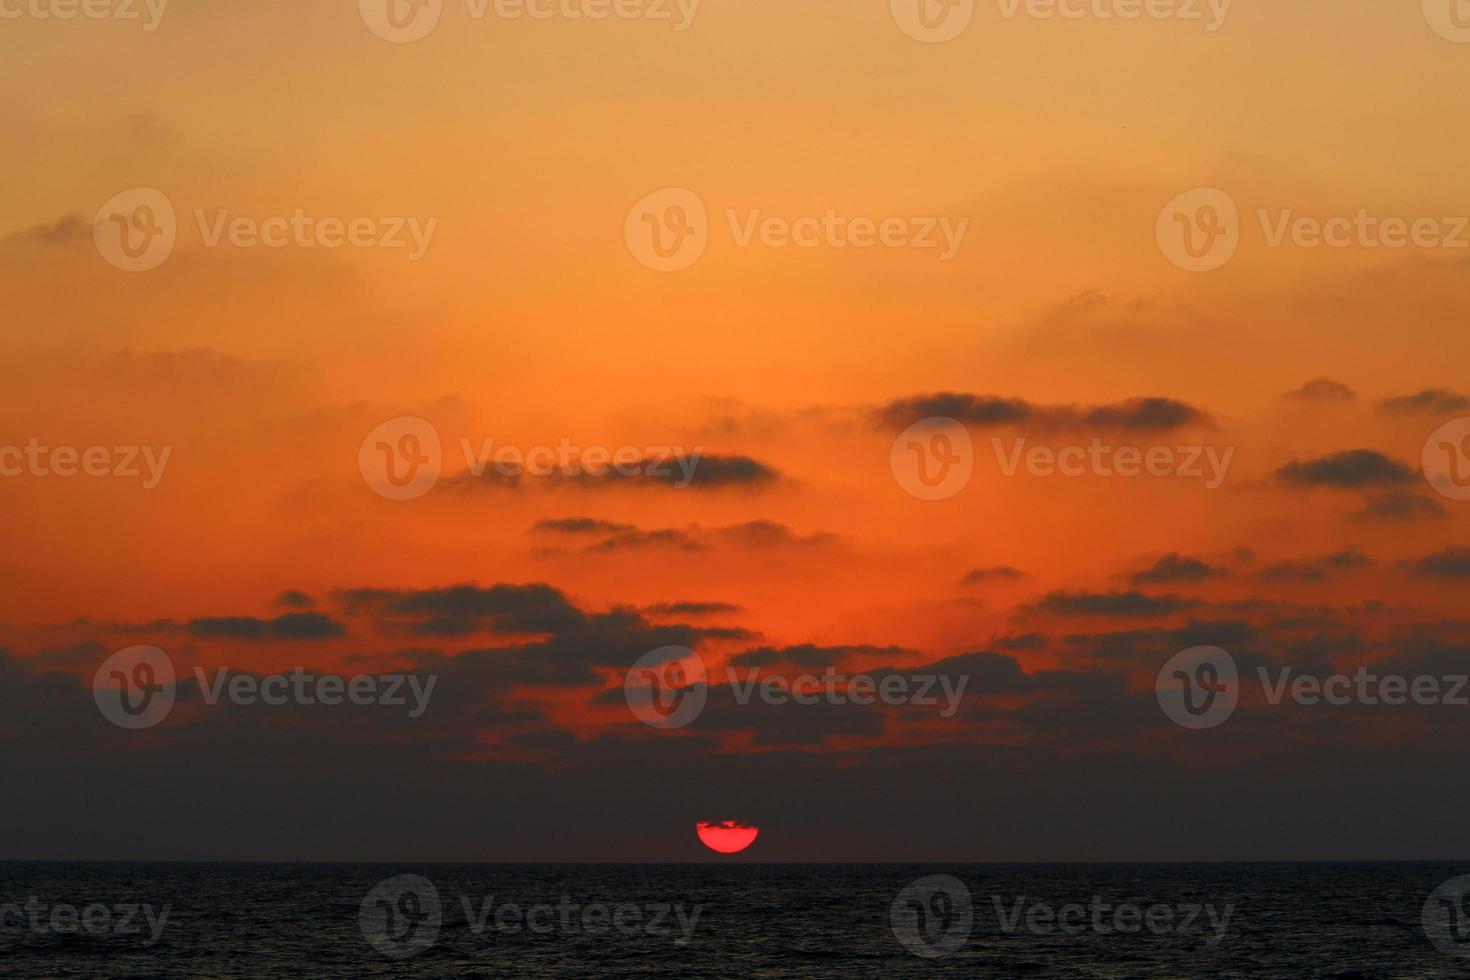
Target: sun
[[727, 836]]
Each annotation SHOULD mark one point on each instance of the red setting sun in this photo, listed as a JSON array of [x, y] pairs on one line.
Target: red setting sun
[[727, 836]]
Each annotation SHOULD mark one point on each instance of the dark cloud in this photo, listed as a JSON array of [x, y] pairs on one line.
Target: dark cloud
[[1349, 470], [463, 608], [692, 608], [784, 722], [1112, 604], [636, 539], [770, 534], [1430, 401], [1402, 505], [1023, 641], [808, 656], [1178, 568], [730, 471], [68, 232], [1452, 563], [289, 626], [1315, 569], [1323, 390], [1134, 414], [487, 776], [981, 410], [977, 575], [703, 471], [1144, 414], [79, 656], [292, 599], [582, 525], [305, 626], [989, 673], [577, 656], [751, 534], [1141, 646]]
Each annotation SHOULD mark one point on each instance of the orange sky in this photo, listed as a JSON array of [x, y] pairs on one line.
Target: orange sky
[[529, 321]]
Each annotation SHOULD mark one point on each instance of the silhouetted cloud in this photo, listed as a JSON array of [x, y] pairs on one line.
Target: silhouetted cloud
[[976, 575], [768, 534], [1430, 401], [290, 626], [1349, 470], [1402, 505], [292, 599], [808, 656], [692, 608], [1023, 641], [750, 534], [1323, 390], [702, 471], [1134, 414], [635, 539], [459, 609], [1112, 604], [1315, 569], [1450, 563], [1178, 568], [731, 471], [68, 232], [581, 525]]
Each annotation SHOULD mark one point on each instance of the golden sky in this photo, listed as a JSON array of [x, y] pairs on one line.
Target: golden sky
[[529, 319]]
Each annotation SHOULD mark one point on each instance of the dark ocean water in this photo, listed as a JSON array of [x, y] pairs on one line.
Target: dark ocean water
[[745, 921]]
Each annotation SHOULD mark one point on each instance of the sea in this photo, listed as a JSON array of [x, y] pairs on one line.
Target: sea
[[746, 921]]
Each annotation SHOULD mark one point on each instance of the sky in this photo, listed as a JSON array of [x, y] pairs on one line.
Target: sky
[[660, 238]]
